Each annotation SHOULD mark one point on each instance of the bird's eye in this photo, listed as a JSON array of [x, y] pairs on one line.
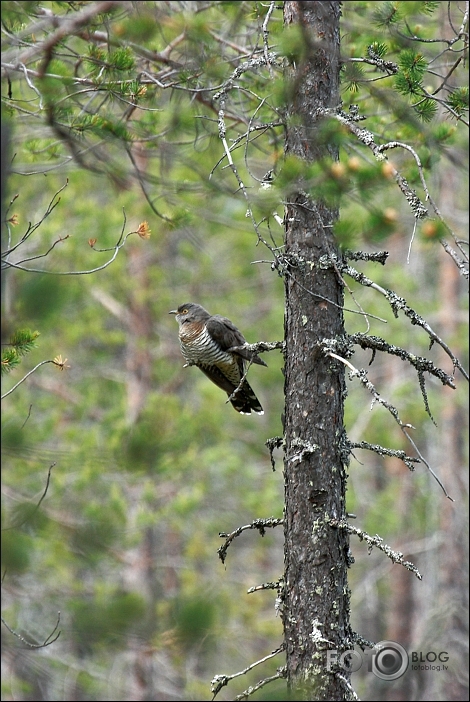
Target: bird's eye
[[185, 311]]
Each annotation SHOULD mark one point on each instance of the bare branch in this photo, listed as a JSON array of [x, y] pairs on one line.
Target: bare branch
[[398, 303], [382, 451], [272, 5], [42, 363], [348, 686], [260, 524], [266, 586], [36, 507], [367, 138], [32, 227], [377, 542], [274, 442], [6, 263], [362, 375], [47, 642], [420, 363], [260, 347], [407, 147], [68, 25], [220, 681], [378, 257], [281, 673]]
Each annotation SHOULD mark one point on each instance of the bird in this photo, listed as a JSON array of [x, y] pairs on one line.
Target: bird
[[207, 341]]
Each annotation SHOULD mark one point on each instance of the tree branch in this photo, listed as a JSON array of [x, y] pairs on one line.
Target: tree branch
[[220, 681], [260, 524], [377, 542]]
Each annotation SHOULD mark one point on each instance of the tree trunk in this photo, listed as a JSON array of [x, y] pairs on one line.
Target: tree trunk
[[316, 608]]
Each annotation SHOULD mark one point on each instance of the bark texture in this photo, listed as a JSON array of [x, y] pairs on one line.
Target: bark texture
[[316, 608]]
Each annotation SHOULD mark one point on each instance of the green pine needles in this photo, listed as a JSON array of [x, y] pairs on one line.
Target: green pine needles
[[21, 343]]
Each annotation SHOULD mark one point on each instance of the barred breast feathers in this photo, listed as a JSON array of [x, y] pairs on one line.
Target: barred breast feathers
[[200, 348]]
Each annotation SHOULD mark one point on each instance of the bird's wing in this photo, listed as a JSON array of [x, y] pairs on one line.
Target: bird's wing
[[226, 334], [219, 378]]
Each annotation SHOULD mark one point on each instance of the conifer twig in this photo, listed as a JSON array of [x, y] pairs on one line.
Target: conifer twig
[[56, 361]]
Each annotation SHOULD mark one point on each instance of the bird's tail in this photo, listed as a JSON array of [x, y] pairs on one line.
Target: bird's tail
[[245, 401]]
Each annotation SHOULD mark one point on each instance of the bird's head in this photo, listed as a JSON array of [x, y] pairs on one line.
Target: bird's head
[[190, 312]]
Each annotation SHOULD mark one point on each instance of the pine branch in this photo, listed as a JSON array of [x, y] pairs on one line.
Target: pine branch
[[21, 342]]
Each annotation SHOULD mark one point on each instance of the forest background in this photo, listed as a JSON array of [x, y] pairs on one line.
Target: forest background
[[149, 463]]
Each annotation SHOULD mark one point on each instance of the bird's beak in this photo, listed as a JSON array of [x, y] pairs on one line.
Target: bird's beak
[[173, 312]]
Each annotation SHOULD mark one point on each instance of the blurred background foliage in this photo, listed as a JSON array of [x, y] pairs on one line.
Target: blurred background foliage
[[149, 462]]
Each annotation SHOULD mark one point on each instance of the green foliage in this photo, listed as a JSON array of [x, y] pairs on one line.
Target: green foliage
[[386, 14], [458, 100], [16, 552], [291, 44], [140, 28], [96, 59], [194, 618], [150, 462], [102, 127], [412, 63], [426, 109], [122, 59], [412, 69], [377, 49], [353, 76], [21, 342], [106, 620], [43, 297], [428, 8], [10, 359]]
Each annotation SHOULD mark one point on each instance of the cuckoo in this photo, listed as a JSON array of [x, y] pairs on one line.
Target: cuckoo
[[208, 342]]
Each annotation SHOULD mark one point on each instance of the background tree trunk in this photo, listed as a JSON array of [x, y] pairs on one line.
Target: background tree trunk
[[316, 614]]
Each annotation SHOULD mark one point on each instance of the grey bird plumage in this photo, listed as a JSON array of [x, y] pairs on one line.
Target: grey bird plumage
[[207, 341]]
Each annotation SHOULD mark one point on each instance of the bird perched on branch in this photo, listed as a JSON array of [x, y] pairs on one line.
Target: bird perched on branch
[[208, 342]]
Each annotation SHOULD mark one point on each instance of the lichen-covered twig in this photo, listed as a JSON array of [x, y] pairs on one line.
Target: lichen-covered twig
[[220, 681], [281, 673], [273, 443], [260, 524], [421, 364], [275, 585], [362, 375], [367, 138], [397, 304], [376, 542], [383, 451]]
